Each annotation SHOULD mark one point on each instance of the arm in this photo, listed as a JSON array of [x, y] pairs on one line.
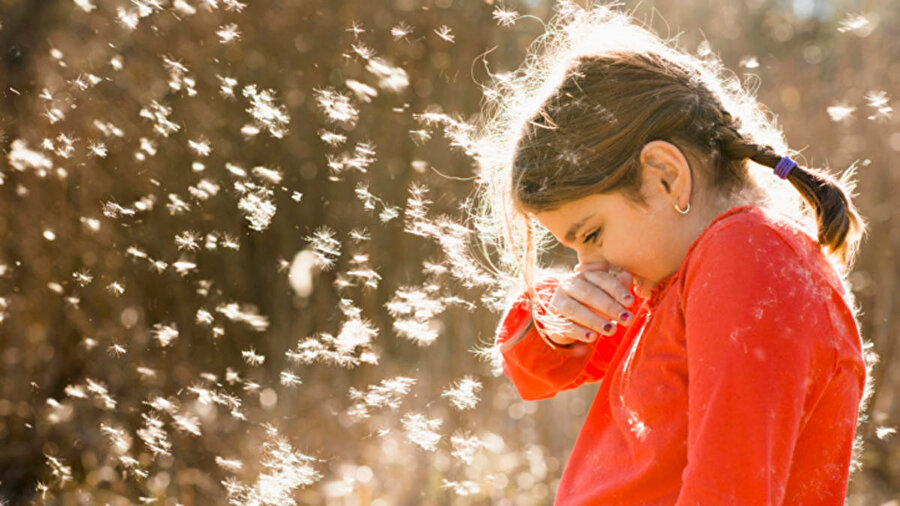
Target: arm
[[750, 334], [539, 369]]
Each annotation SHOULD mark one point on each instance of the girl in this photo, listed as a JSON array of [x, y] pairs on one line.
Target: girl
[[711, 304]]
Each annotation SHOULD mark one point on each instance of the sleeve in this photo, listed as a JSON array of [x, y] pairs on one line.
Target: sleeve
[[539, 368], [749, 353]]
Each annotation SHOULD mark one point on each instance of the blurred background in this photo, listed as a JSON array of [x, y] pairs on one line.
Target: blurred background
[[235, 265]]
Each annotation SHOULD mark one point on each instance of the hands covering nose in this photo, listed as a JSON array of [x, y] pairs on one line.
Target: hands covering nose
[[594, 299]]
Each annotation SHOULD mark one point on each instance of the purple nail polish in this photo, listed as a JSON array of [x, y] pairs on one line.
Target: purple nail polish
[[607, 327], [624, 316], [589, 334]]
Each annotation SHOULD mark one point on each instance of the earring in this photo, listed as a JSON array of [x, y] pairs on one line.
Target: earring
[[686, 210]]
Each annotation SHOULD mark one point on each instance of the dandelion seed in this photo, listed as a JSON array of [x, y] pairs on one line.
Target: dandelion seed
[[226, 86], [289, 379], [388, 213], [228, 33], [355, 334], [159, 115], [183, 7], [444, 32], [117, 350], [58, 470], [252, 358], [203, 317], [325, 247], [235, 169], [83, 278], [332, 138], [50, 235], [98, 149], [461, 488], [749, 62], [148, 146], [204, 190], [840, 112], [159, 266], [100, 394], [884, 432], [116, 62], [187, 240], [201, 146], [244, 314], [249, 130], [234, 5], [266, 112], [857, 23], [463, 395], [184, 266], [233, 465], [336, 106], [257, 204], [400, 30], [118, 438], [230, 242], [359, 235], [296, 196], [465, 447], [284, 471], [420, 136], [878, 100], [145, 372], [389, 77], [389, 393], [422, 431], [272, 176], [85, 5], [153, 435], [165, 334], [89, 343], [505, 17], [187, 423], [364, 93], [22, 158]]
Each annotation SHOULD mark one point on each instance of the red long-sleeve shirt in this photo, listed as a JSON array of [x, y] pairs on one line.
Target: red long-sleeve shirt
[[739, 381]]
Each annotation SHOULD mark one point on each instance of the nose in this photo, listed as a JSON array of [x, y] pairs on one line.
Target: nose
[[592, 259]]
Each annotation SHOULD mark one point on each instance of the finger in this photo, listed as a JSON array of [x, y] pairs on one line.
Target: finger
[[572, 332], [606, 294], [564, 304]]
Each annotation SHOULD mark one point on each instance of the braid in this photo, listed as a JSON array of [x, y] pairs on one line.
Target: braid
[[840, 226]]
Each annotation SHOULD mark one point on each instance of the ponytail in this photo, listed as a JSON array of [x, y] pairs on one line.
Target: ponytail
[[839, 223], [840, 226]]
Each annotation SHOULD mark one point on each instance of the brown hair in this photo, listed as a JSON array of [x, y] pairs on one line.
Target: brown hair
[[572, 120]]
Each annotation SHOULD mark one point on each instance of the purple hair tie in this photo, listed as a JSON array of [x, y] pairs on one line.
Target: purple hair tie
[[784, 167]]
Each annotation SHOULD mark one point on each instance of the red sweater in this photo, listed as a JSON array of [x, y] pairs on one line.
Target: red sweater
[[739, 381]]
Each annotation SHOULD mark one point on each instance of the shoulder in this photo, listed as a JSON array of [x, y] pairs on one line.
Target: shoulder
[[758, 253]]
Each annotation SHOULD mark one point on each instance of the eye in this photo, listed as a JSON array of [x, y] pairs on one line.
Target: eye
[[592, 236]]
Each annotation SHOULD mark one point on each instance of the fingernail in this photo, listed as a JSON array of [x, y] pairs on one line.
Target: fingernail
[[607, 327], [624, 316], [589, 335], [628, 298]]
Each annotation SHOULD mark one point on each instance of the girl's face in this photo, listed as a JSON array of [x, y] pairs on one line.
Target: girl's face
[[649, 242]]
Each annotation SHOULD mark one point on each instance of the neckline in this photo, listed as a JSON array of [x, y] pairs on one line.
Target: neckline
[[662, 286]]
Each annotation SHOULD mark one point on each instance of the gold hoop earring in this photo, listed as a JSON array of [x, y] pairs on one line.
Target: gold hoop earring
[[686, 210]]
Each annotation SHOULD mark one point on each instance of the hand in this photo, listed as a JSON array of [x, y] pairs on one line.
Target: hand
[[584, 298]]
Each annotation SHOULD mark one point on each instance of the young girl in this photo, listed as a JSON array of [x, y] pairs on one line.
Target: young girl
[[711, 304]]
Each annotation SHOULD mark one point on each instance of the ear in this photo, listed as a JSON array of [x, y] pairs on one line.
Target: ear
[[667, 171]]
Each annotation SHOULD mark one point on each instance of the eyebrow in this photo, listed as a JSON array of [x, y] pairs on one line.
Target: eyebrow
[[570, 235]]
